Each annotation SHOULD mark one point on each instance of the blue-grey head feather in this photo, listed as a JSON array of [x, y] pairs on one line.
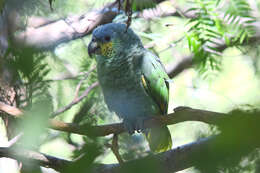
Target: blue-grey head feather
[[117, 33]]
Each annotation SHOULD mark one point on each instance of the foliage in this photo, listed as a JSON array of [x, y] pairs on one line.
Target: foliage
[[31, 71], [1, 5], [138, 5], [233, 153], [211, 24], [42, 79]]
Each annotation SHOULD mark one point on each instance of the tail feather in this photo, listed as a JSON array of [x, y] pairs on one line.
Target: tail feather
[[159, 139]]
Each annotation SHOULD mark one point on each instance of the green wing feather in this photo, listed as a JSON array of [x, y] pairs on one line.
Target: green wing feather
[[154, 79]]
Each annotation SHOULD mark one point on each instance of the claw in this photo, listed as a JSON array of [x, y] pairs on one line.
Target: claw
[[129, 126], [133, 125], [140, 124]]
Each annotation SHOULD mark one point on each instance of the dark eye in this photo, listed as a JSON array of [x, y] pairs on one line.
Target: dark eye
[[94, 39], [107, 38]]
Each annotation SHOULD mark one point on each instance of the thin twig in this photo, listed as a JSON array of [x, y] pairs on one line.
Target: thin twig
[[10, 110], [77, 100], [129, 11], [81, 81], [67, 77], [115, 149], [14, 140]]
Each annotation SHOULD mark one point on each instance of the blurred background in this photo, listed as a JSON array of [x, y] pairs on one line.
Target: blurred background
[[45, 69]]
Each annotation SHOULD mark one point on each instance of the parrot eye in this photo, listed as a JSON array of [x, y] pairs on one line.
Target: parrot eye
[[107, 38], [94, 39]]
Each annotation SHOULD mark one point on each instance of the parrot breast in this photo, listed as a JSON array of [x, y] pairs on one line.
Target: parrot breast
[[123, 90]]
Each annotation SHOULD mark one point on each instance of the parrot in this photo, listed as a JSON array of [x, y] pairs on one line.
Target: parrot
[[133, 80]]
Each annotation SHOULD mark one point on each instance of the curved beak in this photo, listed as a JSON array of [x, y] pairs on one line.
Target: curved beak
[[93, 48]]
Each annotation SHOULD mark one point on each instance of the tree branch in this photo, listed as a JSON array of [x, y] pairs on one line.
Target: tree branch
[[115, 149], [33, 157], [239, 136], [170, 161], [52, 33], [206, 152], [234, 141], [180, 114], [175, 68], [173, 160], [49, 35], [76, 99]]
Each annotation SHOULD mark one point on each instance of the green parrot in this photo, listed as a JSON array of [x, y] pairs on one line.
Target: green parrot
[[133, 80]]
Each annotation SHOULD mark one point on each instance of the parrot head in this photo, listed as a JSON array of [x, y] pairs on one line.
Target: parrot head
[[112, 39]]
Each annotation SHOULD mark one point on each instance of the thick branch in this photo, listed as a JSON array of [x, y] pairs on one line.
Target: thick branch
[[207, 152], [175, 68], [172, 160], [33, 157], [239, 136], [45, 34], [50, 35], [181, 114]]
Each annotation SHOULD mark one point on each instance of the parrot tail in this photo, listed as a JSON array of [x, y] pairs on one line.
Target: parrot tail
[[159, 139]]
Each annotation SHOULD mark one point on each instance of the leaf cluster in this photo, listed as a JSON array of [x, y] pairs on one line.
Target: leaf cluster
[[217, 24], [31, 71]]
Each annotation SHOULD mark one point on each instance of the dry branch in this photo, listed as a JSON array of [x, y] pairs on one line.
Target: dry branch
[[50, 35], [45, 34], [33, 157], [115, 149], [172, 160], [181, 114], [234, 140], [175, 68], [204, 152]]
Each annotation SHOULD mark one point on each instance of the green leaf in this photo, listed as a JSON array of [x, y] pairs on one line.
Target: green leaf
[[138, 5]]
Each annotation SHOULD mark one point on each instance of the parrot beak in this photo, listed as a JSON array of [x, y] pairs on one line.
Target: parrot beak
[[93, 48]]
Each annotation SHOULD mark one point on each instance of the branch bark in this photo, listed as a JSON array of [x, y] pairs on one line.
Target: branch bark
[[48, 36], [175, 68], [45, 34], [235, 141], [206, 152], [171, 161], [34, 157], [180, 114], [51, 34]]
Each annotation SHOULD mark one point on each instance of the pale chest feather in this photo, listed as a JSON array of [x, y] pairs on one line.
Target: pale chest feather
[[123, 90]]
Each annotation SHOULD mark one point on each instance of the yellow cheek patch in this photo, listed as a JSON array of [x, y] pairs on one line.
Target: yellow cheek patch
[[107, 49]]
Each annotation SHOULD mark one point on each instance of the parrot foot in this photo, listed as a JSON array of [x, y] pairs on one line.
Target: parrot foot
[[129, 126], [133, 125], [140, 124]]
